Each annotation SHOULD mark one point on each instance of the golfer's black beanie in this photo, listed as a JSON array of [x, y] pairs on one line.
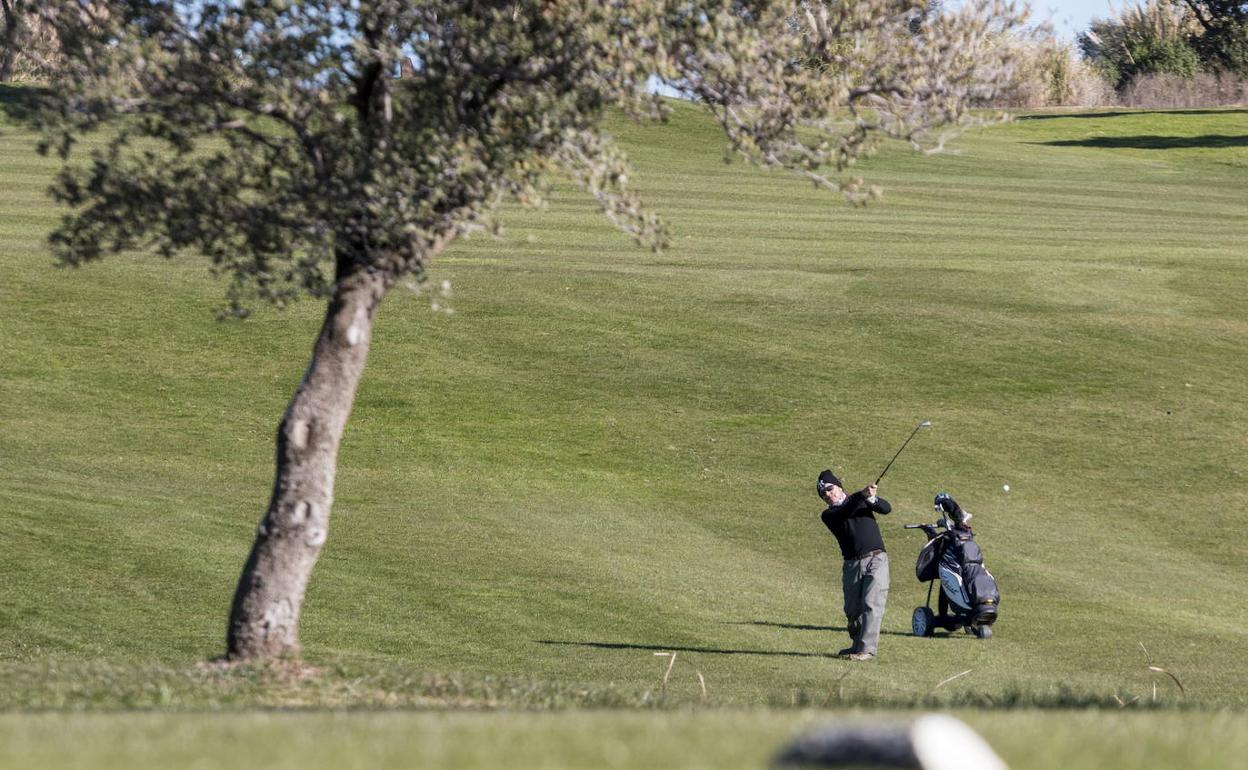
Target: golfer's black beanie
[[826, 479]]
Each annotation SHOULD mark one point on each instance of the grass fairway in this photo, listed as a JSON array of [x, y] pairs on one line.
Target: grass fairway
[[710, 740], [604, 454]]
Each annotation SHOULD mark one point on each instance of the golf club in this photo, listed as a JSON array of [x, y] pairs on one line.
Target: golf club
[[924, 424]]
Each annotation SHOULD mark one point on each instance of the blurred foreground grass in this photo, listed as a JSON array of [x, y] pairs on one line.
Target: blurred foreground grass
[[679, 740]]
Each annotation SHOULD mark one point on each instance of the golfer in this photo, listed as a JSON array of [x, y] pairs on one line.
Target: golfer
[[864, 576]]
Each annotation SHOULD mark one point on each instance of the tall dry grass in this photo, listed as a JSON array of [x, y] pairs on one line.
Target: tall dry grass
[[1050, 73], [1162, 90]]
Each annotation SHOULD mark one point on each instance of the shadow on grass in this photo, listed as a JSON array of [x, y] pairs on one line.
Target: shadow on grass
[[1122, 113], [1146, 142], [677, 648], [18, 103], [799, 626]]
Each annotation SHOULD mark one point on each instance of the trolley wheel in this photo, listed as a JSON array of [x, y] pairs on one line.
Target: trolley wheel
[[923, 622], [984, 632]]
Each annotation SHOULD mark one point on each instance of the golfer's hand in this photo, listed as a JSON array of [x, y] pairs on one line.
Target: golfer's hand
[[870, 491]]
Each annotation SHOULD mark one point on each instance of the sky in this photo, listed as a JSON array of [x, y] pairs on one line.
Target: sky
[[1070, 17]]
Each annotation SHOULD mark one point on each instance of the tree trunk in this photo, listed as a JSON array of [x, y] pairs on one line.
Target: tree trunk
[[9, 53], [264, 618]]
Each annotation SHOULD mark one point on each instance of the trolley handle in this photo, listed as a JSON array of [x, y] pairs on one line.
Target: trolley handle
[[931, 530]]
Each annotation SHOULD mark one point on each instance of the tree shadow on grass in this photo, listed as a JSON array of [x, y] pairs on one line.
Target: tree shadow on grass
[[1124, 113], [19, 102], [678, 648], [1146, 142]]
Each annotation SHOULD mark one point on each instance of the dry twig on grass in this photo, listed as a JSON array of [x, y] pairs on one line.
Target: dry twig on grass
[[668, 673], [1159, 670], [1122, 704], [944, 682]]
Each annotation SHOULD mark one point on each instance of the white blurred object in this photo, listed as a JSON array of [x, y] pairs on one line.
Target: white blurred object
[[931, 742], [1005, 487], [944, 743]]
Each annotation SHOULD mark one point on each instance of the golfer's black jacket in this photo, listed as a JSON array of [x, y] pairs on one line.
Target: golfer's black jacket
[[853, 523]]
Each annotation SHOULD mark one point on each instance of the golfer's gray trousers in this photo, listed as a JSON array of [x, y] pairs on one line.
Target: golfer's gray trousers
[[865, 582]]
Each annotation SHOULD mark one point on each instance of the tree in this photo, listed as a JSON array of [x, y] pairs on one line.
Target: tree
[[27, 48], [926, 10], [1176, 37], [298, 164], [12, 19], [1143, 39], [1223, 40]]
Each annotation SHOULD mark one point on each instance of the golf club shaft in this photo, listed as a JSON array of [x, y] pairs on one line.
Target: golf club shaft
[[917, 428]]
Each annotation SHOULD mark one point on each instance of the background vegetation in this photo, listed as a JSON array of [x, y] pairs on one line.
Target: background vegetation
[[1165, 53], [1150, 53]]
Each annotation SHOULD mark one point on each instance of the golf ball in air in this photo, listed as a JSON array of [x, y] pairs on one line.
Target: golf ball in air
[[1005, 487]]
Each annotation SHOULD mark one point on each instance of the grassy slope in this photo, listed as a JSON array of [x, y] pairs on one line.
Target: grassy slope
[[605, 453]]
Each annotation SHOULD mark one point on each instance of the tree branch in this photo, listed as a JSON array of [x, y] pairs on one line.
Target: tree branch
[[1200, 17]]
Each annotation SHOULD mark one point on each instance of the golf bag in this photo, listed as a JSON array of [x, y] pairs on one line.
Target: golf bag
[[969, 596]]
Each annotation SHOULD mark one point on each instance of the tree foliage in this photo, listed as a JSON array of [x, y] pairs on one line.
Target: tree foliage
[[1169, 37], [1143, 39], [274, 138], [1223, 38], [323, 152]]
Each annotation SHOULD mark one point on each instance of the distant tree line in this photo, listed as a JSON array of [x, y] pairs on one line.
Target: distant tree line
[[1182, 38], [1153, 53], [1150, 53]]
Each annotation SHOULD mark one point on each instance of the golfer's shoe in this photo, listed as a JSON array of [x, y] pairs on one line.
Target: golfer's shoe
[[845, 652], [860, 656]]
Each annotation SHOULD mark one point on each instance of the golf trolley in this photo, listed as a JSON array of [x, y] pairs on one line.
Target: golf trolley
[[968, 595]]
